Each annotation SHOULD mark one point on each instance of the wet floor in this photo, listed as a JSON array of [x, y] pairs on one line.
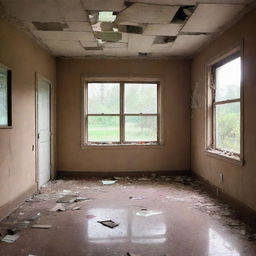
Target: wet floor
[[159, 217]]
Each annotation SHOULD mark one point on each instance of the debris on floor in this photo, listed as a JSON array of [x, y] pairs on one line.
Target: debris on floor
[[109, 223], [76, 208], [108, 182], [67, 199], [146, 213], [58, 208], [10, 238], [41, 226], [136, 198]]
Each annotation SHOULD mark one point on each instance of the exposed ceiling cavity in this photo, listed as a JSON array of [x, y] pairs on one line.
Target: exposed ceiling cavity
[[79, 28]]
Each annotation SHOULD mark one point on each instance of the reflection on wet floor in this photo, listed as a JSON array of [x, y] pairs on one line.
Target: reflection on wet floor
[[165, 216]]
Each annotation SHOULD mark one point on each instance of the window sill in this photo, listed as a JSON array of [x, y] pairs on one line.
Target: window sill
[[5, 127], [123, 146], [236, 160]]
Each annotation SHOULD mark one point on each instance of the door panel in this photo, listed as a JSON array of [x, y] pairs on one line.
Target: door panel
[[44, 131]]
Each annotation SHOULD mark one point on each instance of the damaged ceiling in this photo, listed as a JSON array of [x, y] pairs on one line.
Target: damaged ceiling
[[79, 28]]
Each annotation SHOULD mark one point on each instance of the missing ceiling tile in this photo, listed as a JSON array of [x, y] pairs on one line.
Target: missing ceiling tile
[[98, 48], [144, 54], [183, 13], [50, 26], [130, 29], [106, 16], [108, 36], [164, 39]]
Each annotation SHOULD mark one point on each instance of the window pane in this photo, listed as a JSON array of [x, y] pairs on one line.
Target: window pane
[[140, 98], [140, 128], [103, 98], [228, 80], [103, 128], [228, 127], [3, 98]]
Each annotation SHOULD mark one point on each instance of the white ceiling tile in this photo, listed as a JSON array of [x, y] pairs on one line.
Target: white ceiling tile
[[104, 5], [89, 43], [65, 48], [162, 29], [79, 26], [125, 38], [147, 13], [186, 45], [115, 51], [64, 35], [211, 17], [94, 52], [166, 2], [140, 43], [115, 45], [31, 10], [72, 10]]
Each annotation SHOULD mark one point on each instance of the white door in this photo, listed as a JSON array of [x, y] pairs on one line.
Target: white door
[[44, 131]]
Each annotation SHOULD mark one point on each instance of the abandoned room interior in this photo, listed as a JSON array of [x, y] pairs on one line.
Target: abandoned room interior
[[127, 128]]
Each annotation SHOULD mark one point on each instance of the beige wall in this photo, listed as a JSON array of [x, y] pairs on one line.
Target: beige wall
[[174, 155], [17, 160], [239, 182]]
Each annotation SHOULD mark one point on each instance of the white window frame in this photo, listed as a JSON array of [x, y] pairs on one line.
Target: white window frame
[[122, 80], [9, 97], [211, 104]]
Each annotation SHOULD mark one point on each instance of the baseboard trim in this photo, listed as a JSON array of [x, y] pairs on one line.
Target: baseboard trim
[[83, 175], [8, 208], [244, 213]]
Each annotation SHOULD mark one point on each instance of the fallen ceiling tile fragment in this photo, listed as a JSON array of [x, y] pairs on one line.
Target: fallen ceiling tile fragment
[[72, 10], [49, 26], [65, 35], [140, 43], [104, 5], [67, 199], [210, 18], [41, 226], [79, 26], [30, 10], [109, 223], [109, 36], [162, 29], [147, 13]]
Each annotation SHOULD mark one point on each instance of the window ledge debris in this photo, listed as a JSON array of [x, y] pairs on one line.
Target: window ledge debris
[[119, 145], [226, 156]]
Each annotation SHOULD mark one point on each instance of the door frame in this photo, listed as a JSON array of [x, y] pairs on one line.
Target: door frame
[[39, 77]]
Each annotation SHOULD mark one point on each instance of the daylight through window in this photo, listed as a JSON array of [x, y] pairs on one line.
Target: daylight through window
[[226, 106], [121, 113]]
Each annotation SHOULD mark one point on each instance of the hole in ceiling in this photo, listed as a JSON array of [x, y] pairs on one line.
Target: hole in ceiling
[[97, 48], [144, 54], [130, 29], [109, 36], [183, 13], [50, 26], [164, 39], [106, 16]]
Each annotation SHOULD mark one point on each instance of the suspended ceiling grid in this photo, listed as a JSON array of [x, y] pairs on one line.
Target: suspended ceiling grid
[[79, 28]]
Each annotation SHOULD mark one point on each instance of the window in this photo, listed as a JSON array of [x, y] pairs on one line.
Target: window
[[125, 113], [5, 97], [225, 107]]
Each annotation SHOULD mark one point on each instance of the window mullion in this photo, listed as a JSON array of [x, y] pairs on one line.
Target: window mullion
[[122, 118]]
